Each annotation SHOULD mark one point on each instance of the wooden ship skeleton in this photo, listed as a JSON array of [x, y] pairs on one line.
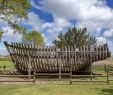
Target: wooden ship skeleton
[[28, 58]]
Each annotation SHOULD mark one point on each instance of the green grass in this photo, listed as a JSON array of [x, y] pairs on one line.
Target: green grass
[[57, 90], [9, 65], [98, 69], [5, 59]]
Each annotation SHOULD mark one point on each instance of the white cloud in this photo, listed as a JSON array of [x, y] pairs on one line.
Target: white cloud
[[95, 14], [34, 4], [49, 29], [110, 45], [10, 36], [101, 40], [76, 9], [57, 26], [108, 34], [54, 28], [34, 20]]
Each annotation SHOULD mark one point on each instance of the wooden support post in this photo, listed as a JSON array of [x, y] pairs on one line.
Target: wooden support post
[[91, 61], [59, 71], [91, 72], [91, 68], [70, 78], [34, 78], [91, 78], [105, 68], [107, 77], [29, 68]]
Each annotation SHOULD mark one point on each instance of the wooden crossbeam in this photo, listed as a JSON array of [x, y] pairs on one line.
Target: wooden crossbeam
[[50, 59]]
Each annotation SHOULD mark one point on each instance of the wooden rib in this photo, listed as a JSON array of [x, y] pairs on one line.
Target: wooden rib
[[46, 59], [34, 60], [38, 61]]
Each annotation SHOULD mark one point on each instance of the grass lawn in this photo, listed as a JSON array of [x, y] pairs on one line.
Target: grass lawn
[[98, 69], [9, 65], [56, 89]]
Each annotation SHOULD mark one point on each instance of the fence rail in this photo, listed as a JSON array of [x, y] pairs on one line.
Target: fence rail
[[29, 78], [71, 77]]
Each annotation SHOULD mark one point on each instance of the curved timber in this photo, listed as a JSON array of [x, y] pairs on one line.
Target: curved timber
[[49, 59]]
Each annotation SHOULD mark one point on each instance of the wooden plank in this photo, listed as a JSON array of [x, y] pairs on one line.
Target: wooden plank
[[88, 76], [75, 56], [29, 62], [17, 58], [47, 59], [59, 65], [41, 60], [87, 81], [55, 58], [15, 76], [33, 59], [12, 57], [16, 81], [20, 58], [37, 60], [50, 74]]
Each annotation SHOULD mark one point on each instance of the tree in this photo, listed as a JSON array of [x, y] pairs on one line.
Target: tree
[[1, 32], [12, 11], [33, 37], [74, 36]]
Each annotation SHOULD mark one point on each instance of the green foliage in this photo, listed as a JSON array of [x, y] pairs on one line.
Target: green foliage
[[33, 37], [74, 36], [1, 33], [12, 11], [14, 7], [18, 28]]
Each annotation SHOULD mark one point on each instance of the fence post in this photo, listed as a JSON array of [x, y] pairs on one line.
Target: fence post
[[29, 68], [70, 78], [90, 66], [34, 78], [59, 71], [91, 77], [91, 69], [105, 68], [107, 77]]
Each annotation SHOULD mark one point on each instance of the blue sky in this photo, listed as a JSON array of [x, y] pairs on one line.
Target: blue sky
[[53, 16]]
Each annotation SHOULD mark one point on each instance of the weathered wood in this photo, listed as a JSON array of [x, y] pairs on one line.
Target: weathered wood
[[50, 59], [16, 76], [88, 76], [88, 81], [16, 81]]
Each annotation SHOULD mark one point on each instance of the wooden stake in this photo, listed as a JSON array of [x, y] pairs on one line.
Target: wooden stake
[[29, 68]]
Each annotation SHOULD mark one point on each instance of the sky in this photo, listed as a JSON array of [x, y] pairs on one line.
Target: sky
[[50, 17]]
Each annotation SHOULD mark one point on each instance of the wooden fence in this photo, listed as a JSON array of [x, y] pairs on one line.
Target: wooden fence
[[72, 78], [108, 72], [20, 78]]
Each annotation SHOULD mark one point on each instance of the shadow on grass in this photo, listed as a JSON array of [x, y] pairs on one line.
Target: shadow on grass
[[107, 91]]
